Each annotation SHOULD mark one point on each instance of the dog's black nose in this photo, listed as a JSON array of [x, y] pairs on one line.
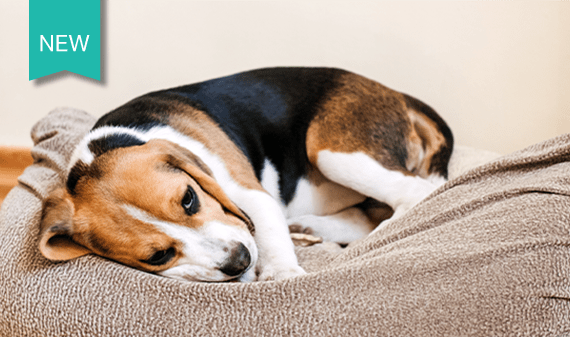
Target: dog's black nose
[[238, 261]]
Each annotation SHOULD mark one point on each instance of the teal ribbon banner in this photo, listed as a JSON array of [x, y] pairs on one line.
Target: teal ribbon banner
[[65, 35]]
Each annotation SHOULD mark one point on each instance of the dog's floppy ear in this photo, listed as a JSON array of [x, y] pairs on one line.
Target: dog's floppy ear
[[56, 241], [185, 160]]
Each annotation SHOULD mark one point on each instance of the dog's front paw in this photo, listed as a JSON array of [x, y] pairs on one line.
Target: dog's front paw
[[276, 273]]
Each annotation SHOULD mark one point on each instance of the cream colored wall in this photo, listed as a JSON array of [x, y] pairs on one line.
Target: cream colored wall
[[498, 72]]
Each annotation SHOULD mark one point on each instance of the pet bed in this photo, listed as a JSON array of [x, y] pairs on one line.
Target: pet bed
[[488, 253]]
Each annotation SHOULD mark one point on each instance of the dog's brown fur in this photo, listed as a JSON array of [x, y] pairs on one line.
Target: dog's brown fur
[[87, 222]]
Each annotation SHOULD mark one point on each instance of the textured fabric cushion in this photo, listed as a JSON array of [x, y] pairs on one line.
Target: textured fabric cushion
[[485, 254]]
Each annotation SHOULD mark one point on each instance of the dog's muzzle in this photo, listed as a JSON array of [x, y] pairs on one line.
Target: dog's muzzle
[[238, 262]]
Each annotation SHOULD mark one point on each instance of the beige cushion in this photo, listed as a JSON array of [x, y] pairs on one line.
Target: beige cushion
[[486, 254]]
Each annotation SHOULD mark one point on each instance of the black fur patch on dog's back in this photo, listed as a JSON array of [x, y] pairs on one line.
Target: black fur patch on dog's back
[[139, 113], [266, 113]]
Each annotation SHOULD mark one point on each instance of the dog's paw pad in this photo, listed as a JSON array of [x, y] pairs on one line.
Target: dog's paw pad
[[276, 274], [296, 228]]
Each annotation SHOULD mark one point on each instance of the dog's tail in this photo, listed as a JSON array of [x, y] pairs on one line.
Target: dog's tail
[[434, 138]]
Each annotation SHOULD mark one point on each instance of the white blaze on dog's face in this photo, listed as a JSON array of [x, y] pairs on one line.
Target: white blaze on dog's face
[[154, 207]]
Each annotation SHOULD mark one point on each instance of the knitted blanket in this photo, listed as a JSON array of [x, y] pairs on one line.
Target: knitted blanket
[[486, 254]]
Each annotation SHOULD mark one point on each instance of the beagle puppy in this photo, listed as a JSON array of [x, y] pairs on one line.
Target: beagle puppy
[[200, 182]]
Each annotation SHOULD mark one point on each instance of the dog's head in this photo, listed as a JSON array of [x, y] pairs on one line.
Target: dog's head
[[155, 207]]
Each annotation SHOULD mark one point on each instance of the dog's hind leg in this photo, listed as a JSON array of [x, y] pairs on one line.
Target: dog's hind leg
[[362, 173], [383, 144]]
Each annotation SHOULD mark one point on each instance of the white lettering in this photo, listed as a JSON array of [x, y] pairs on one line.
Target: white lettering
[[59, 42], [78, 41], [49, 45]]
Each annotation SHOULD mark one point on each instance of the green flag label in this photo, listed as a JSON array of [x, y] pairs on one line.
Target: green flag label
[[65, 35]]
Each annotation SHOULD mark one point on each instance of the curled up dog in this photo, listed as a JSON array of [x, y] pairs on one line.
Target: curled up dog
[[200, 182]]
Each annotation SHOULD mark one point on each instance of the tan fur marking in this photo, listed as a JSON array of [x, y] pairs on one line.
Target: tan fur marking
[[190, 121], [56, 228], [416, 153], [142, 177], [426, 136], [365, 116], [185, 160], [315, 177]]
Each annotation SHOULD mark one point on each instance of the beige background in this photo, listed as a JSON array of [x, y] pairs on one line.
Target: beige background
[[498, 72]]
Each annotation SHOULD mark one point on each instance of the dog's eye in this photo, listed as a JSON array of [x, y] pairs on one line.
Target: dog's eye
[[161, 257], [190, 202]]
